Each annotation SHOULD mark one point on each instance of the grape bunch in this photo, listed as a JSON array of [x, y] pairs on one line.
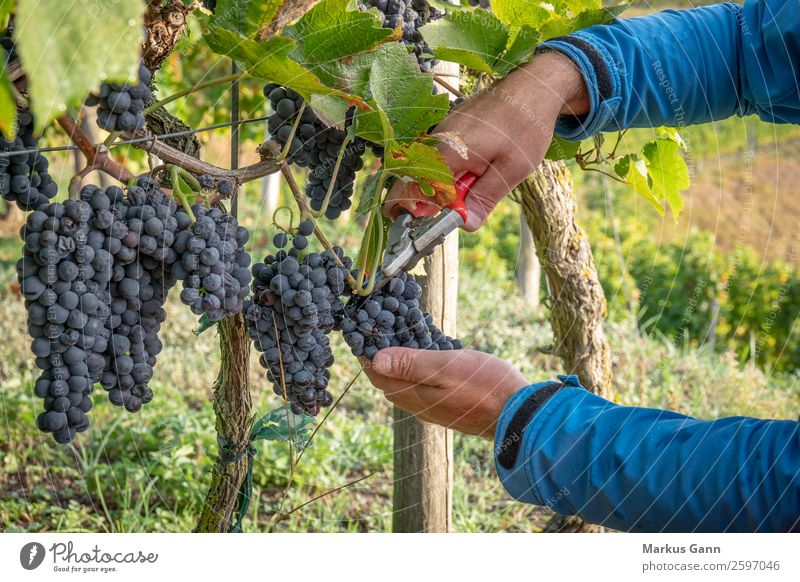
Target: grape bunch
[[23, 177], [391, 317], [317, 147], [296, 303], [410, 15], [485, 4], [223, 186], [121, 106], [211, 262], [63, 275], [210, 5], [136, 232]]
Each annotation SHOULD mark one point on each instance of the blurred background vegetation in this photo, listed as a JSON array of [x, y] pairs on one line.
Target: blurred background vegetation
[[702, 316]]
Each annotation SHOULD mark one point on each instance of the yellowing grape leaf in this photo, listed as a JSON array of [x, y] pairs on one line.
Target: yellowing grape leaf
[[424, 164]]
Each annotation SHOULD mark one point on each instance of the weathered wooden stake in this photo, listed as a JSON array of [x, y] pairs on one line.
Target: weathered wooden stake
[[423, 452]]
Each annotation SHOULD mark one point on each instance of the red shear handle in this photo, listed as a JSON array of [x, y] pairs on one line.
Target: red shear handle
[[463, 185]]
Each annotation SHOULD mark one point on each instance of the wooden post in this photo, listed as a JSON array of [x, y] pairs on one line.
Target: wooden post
[[423, 452], [529, 270]]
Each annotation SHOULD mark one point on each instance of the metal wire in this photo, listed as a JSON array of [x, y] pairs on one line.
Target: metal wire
[[136, 140]]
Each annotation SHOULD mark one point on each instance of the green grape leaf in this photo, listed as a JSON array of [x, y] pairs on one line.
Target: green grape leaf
[[594, 16], [270, 61], [422, 163], [562, 149], [576, 6], [524, 41], [6, 8], [668, 172], [65, 48], [331, 110], [404, 94], [8, 107], [634, 172], [246, 17], [349, 74], [373, 125], [521, 12], [334, 29], [671, 133], [474, 38], [563, 25], [283, 425]]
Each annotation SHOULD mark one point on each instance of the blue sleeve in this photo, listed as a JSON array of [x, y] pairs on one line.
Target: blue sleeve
[[681, 67], [649, 470]]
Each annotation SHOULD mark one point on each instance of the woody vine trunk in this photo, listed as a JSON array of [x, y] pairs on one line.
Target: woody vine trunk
[[233, 410], [578, 304]]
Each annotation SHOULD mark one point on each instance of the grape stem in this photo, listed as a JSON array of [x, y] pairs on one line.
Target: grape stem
[[179, 193], [275, 219], [335, 174], [448, 87], [374, 232], [76, 182], [305, 211], [189, 179], [192, 89], [112, 137], [287, 146]]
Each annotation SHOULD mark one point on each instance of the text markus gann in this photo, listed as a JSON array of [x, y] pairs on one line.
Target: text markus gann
[[691, 549], [66, 553]]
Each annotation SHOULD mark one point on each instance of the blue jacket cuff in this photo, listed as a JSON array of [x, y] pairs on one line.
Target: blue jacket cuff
[[602, 83], [517, 477]]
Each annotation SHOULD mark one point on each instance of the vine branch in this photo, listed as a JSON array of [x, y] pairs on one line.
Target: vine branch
[[97, 158]]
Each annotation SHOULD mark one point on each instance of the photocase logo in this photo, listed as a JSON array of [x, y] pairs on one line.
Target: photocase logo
[[31, 555]]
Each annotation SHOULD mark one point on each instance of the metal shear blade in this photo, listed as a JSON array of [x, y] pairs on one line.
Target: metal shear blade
[[411, 239]]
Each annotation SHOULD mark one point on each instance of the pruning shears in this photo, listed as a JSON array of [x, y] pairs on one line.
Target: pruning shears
[[412, 237]]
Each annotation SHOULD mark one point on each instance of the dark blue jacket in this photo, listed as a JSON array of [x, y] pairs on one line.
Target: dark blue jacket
[[642, 469]]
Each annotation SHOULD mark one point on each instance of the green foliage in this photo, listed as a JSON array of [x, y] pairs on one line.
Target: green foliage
[[8, 106], [410, 106], [282, 425], [332, 30], [64, 48], [474, 38], [245, 16]]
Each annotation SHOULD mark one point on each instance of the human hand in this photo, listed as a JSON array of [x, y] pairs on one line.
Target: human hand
[[506, 130], [461, 389]]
